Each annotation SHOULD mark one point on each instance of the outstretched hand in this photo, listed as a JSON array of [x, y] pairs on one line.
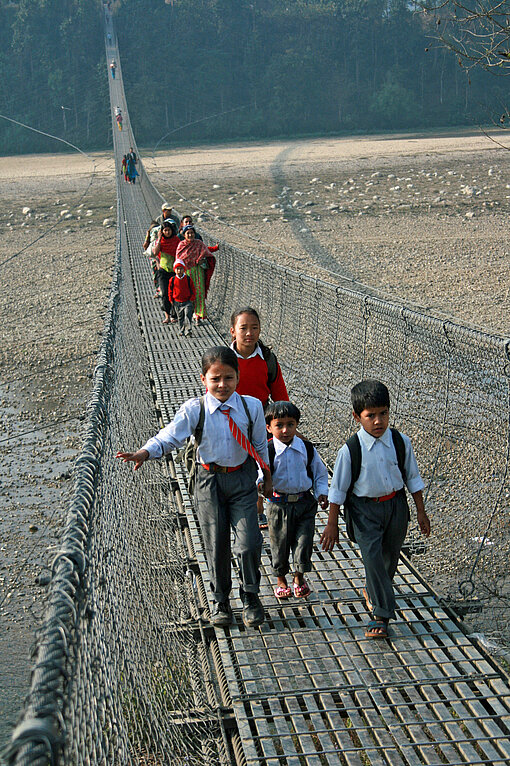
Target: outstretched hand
[[138, 458]]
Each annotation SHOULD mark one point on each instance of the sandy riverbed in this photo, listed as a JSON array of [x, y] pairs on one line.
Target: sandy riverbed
[[422, 218]]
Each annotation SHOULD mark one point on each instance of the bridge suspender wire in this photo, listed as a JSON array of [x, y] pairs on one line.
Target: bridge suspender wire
[[128, 668]]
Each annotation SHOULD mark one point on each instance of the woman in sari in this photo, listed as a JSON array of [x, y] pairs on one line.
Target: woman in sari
[[195, 255]]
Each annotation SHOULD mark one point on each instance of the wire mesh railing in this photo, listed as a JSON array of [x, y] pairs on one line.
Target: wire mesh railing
[[450, 393]]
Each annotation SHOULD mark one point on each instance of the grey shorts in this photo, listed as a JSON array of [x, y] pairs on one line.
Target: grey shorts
[[291, 530]]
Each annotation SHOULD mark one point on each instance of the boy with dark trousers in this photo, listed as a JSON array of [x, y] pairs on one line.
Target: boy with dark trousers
[[181, 294], [375, 502], [300, 483]]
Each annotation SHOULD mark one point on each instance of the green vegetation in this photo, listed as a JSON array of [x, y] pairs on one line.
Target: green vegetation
[[297, 66]]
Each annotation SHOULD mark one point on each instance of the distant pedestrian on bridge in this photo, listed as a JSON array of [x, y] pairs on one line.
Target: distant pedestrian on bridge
[[113, 67], [370, 473], [187, 220], [167, 211], [230, 431], [131, 169], [198, 260], [165, 248]]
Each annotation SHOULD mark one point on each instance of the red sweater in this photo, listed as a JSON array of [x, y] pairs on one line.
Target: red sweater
[[181, 290], [253, 381]]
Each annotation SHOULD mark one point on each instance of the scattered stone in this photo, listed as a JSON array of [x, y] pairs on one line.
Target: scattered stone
[[26, 210], [108, 221]]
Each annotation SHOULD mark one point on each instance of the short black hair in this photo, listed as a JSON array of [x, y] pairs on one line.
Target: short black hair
[[369, 393], [276, 410], [221, 354]]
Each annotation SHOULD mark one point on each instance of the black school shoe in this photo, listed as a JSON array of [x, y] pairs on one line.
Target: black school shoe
[[221, 613], [253, 612]]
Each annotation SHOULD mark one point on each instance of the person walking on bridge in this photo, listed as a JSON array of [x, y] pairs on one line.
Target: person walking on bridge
[[194, 255], [230, 433]]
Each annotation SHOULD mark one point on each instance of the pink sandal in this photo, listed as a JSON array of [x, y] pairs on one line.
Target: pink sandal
[[282, 592], [301, 591]]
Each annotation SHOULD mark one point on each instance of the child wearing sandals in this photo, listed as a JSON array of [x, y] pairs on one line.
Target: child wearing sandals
[[375, 504], [300, 483]]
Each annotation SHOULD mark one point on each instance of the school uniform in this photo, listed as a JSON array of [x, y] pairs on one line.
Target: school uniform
[[379, 510], [292, 509], [224, 499], [254, 378]]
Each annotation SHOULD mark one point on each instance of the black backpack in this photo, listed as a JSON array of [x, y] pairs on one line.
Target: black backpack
[[272, 363], [354, 447], [309, 456], [188, 454]]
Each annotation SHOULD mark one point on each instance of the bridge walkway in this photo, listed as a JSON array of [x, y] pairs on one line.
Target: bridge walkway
[[307, 687]]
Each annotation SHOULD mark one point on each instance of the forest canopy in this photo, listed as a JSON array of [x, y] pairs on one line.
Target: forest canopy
[[234, 69]]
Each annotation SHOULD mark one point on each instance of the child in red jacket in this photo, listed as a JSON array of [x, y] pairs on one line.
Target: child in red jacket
[[181, 294]]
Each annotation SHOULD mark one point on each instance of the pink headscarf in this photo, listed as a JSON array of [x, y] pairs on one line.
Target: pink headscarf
[[191, 252]]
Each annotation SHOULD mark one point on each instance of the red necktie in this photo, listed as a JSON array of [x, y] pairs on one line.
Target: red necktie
[[243, 440]]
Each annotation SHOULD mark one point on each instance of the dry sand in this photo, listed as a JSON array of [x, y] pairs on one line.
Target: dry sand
[[422, 218]]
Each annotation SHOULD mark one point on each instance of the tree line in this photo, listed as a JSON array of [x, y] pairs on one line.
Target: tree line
[[232, 69]]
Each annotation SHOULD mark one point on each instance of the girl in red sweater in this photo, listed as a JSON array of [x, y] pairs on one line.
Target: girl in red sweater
[[259, 372]]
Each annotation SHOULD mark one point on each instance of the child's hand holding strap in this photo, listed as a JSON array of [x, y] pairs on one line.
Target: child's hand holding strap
[[138, 458]]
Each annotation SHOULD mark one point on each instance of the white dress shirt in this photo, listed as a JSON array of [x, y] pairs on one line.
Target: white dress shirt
[[217, 445], [290, 476], [379, 474]]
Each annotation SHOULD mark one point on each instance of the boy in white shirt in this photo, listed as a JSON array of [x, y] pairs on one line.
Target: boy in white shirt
[[300, 482], [370, 472]]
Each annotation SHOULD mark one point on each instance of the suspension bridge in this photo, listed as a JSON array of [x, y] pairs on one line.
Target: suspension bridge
[[128, 668]]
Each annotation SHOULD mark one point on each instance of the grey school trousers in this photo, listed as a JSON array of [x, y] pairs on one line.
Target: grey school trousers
[[380, 530], [225, 502], [184, 313], [291, 528]]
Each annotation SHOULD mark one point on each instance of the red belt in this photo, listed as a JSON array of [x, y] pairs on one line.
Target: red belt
[[383, 498], [220, 468]]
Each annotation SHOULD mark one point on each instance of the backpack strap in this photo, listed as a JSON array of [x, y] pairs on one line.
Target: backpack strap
[[272, 363], [309, 456], [354, 447], [199, 430], [272, 452], [250, 423], [400, 449]]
